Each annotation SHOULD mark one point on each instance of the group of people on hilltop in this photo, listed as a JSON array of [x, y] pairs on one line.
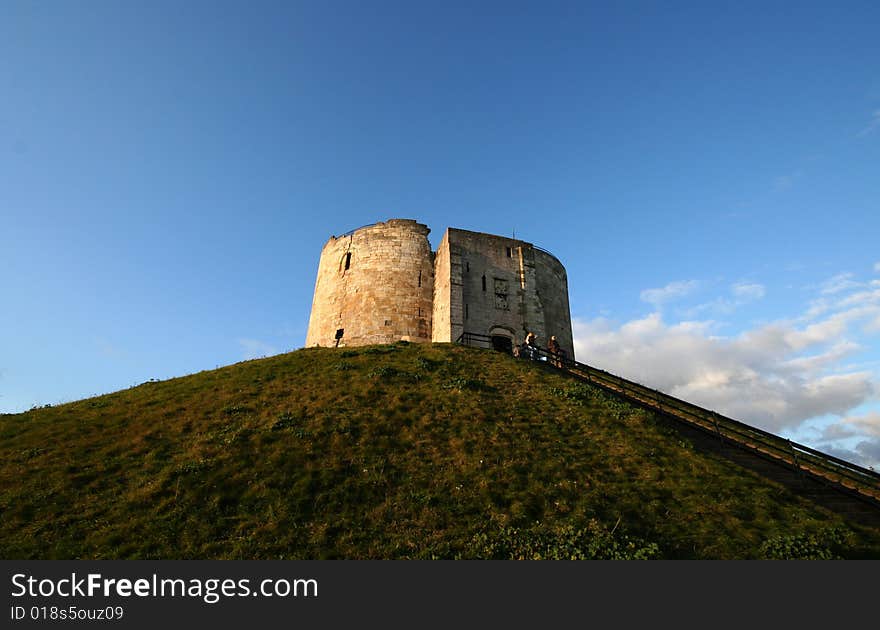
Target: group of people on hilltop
[[529, 350]]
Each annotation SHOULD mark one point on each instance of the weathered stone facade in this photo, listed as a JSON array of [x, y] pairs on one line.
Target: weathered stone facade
[[498, 286], [382, 283], [374, 285]]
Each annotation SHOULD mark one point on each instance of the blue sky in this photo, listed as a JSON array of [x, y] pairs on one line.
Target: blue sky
[[709, 175]]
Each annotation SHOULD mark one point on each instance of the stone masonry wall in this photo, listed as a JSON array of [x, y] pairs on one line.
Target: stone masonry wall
[[502, 286], [382, 283], [375, 285]]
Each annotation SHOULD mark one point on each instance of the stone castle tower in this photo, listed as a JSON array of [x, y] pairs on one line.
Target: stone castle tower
[[382, 283]]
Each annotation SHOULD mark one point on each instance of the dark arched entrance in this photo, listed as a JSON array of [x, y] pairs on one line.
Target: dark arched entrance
[[502, 343]]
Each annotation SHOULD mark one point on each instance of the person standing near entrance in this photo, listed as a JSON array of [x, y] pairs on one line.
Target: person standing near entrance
[[532, 346], [553, 348]]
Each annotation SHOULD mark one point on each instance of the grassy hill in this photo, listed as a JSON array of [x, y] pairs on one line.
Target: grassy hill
[[402, 451]]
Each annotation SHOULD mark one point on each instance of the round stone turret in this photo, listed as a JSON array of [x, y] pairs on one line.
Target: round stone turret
[[375, 285]]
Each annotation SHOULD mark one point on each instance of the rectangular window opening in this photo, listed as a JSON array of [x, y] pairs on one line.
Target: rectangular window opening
[[420, 278], [508, 252], [484, 282], [465, 311]]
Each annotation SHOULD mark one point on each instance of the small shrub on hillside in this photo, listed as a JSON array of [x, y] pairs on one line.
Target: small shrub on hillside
[[576, 392], [227, 433], [584, 394], [427, 364], [286, 420], [194, 467], [344, 366], [823, 545], [232, 410], [461, 383], [383, 371], [32, 452], [591, 542]]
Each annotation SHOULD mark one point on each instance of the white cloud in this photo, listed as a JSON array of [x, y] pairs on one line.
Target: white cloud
[[718, 306], [838, 283], [866, 453], [255, 349], [771, 376], [648, 327], [865, 428], [748, 291], [826, 330], [860, 297], [817, 362], [671, 291], [864, 304], [789, 375], [868, 424], [817, 307]]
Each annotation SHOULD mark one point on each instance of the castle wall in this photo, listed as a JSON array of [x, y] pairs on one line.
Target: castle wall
[[376, 285], [499, 285], [382, 283]]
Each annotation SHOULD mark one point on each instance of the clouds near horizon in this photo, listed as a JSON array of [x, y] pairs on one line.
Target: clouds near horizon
[[775, 375]]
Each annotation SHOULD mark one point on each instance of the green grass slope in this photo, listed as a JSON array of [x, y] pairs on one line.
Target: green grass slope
[[402, 451]]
